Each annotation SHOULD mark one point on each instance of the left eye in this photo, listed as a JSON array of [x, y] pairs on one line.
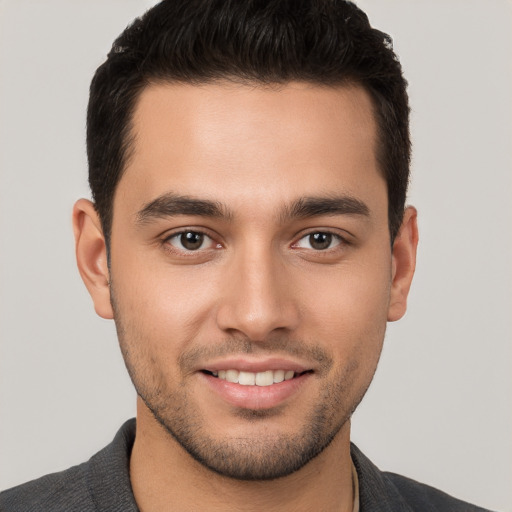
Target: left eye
[[319, 241], [190, 241]]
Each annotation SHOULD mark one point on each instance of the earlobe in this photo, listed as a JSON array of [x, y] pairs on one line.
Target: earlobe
[[403, 264], [91, 256]]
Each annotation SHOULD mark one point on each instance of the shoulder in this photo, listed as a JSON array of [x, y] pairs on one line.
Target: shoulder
[[422, 497], [388, 492], [63, 491], [102, 483]]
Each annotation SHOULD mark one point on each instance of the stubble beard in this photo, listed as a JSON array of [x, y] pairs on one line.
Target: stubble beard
[[259, 457]]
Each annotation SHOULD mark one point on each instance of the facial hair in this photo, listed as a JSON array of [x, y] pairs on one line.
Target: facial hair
[[262, 456]]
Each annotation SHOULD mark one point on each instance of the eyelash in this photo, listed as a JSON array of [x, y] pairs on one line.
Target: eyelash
[[183, 252], [340, 241], [166, 242]]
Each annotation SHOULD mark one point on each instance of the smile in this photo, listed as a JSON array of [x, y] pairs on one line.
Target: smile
[[266, 378], [256, 385]]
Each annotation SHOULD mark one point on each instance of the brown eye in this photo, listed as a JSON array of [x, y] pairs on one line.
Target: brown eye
[[189, 240], [319, 241]]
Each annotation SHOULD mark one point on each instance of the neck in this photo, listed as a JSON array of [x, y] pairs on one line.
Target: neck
[[165, 477]]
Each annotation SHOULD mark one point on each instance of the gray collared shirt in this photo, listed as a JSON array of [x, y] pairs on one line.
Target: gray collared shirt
[[103, 484]]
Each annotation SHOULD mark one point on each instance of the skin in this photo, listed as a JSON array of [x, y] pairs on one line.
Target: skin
[[258, 291]]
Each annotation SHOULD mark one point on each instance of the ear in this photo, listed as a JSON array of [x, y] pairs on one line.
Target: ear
[[403, 264], [91, 256]]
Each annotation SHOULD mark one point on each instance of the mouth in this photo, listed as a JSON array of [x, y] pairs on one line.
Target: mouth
[[262, 378], [256, 385]]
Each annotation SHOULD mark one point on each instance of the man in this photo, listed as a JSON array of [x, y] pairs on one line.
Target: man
[[249, 164]]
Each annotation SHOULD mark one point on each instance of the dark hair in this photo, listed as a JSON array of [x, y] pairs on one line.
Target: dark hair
[[327, 42]]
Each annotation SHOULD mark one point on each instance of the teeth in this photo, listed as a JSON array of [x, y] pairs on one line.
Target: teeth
[[278, 376], [259, 379], [232, 375], [247, 378], [265, 378]]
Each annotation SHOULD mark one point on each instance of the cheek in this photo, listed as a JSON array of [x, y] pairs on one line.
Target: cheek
[[163, 303], [349, 297], [348, 310]]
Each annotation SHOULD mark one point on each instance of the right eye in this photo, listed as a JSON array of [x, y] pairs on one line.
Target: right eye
[[191, 241]]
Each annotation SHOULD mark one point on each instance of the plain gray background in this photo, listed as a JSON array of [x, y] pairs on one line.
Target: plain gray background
[[439, 409]]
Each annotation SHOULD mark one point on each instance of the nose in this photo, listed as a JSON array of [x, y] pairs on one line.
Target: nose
[[257, 298]]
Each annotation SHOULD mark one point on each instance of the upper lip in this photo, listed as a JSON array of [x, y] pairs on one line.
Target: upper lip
[[255, 366]]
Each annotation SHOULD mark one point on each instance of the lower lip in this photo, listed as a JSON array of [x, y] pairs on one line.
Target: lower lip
[[255, 397]]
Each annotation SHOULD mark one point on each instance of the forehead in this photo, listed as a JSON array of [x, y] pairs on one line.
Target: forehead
[[238, 143]]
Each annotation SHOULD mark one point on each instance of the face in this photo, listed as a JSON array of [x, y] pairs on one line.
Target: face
[[251, 270]]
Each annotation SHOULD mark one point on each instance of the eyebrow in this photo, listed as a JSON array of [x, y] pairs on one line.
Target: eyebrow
[[172, 205], [330, 205]]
